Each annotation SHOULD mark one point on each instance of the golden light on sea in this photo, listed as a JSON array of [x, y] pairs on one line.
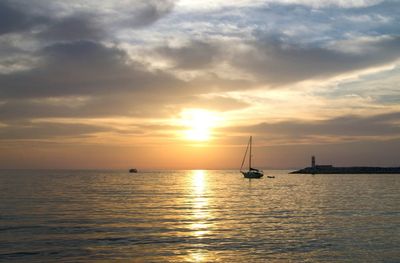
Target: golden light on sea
[[200, 214], [200, 203]]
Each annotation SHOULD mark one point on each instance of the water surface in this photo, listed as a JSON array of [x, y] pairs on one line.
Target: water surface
[[197, 216]]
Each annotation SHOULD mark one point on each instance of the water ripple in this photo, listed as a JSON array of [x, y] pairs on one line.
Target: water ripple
[[197, 216]]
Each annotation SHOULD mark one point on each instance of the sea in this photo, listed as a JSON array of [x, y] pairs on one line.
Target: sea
[[197, 216]]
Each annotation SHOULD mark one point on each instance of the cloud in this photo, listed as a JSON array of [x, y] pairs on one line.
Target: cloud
[[88, 79], [275, 63], [329, 3], [148, 60], [13, 19], [194, 55], [220, 4], [79, 20], [83, 68], [215, 103], [381, 88], [344, 128], [73, 28], [117, 104], [103, 80], [147, 12], [13, 57], [48, 131]]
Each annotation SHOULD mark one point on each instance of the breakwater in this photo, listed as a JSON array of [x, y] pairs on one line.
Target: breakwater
[[329, 169]]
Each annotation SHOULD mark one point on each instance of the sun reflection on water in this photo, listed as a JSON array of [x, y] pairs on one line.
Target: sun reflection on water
[[200, 227], [200, 202], [197, 257], [199, 181]]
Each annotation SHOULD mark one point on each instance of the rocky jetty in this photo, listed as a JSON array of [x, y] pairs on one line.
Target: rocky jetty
[[329, 169]]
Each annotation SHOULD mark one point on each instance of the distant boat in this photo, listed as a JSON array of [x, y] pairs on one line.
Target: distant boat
[[133, 170], [271, 176], [252, 172]]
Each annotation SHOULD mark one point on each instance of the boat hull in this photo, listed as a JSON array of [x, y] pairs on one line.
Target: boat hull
[[252, 174]]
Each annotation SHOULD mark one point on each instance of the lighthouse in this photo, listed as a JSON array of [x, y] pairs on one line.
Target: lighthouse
[[313, 162]]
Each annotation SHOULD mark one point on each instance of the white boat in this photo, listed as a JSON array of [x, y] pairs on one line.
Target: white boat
[[252, 172]]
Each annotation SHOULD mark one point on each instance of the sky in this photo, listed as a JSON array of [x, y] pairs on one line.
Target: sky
[[164, 84]]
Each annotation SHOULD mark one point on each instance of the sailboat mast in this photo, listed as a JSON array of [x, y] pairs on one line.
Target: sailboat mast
[[251, 138], [245, 155]]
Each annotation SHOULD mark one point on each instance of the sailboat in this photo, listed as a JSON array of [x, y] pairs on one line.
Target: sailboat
[[252, 172]]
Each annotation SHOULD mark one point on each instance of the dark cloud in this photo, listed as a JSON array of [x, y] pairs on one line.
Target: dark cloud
[[117, 104], [48, 131], [112, 105], [83, 68], [275, 63], [79, 26], [147, 12], [28, 130], [14, 20], [195, 55], [391, 99], [14, 58], [83, 21], [351, 127], [107, 82]]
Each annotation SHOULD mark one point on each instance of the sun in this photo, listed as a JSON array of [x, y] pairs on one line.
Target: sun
[[199, 124]]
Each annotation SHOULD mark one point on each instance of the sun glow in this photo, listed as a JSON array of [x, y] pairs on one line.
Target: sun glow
[[199, 123]]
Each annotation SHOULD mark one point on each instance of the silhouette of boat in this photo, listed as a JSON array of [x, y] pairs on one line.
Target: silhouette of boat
[[252, 172], [133, 170], [271, 176]]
